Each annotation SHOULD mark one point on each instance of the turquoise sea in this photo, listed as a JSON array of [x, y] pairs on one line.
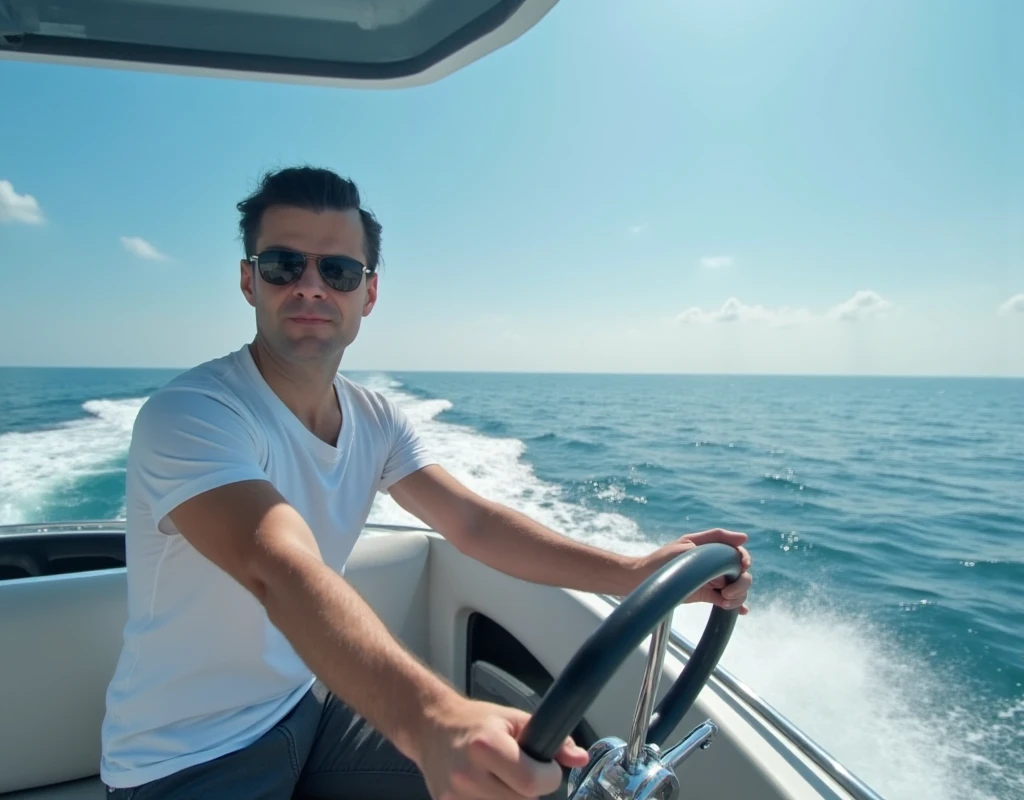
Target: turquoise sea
[[886, 520]]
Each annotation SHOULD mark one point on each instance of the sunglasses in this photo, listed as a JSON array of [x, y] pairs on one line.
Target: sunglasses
[[281, 267]]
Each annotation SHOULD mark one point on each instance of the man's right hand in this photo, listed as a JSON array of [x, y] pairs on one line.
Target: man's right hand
[[470, 751]]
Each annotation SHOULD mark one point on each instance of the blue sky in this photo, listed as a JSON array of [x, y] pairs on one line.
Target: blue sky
[[710, 186]]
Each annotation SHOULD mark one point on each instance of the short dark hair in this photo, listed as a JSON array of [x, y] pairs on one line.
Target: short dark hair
[[312, 188]]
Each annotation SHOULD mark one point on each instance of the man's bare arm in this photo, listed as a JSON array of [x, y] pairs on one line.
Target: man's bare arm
[[250, 531], [509, 541]]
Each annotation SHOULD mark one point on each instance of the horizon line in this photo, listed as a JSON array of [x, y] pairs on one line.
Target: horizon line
[[923, 376]]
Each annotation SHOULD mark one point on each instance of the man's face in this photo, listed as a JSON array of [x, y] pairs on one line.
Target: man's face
[[307, 321]]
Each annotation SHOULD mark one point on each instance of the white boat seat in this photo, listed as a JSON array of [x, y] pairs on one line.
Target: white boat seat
[[61, 638], [87, 789]]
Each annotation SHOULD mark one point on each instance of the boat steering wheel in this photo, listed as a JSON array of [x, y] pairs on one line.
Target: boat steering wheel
[[639, 767]]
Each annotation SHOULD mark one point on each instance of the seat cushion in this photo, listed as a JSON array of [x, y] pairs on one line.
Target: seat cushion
[[61, 637], [85, 789]]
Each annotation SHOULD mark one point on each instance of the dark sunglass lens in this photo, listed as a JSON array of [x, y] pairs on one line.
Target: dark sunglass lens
[[340, 273], [280, 267]]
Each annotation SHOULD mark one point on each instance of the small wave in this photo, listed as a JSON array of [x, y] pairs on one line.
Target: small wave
[[788, 482], [937, 441], [384, 383], [429, 410], [601, 430], [567, 443], [709, 444], [649, 469], [494, 428], [609, 490]]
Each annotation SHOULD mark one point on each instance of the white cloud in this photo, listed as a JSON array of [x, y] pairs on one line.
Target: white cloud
[[636, 230], [16, 207], [141, 248], [1015, 305], [734, 310], [862, 305], [716, 262], [694, 314]]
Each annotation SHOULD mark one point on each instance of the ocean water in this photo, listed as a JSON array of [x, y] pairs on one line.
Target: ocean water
[[886, 521]]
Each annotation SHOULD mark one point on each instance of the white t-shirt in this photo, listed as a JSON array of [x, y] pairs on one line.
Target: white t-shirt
[[202, 671]]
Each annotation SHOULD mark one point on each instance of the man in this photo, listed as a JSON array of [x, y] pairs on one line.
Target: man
[[249, 480]]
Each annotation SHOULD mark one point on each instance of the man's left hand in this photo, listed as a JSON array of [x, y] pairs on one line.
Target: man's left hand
[[719, 592]]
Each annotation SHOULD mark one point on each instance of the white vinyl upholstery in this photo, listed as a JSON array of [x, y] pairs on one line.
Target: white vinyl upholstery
[[60, 637]]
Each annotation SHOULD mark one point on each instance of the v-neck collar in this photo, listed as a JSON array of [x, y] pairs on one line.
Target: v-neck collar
[[322, 449]]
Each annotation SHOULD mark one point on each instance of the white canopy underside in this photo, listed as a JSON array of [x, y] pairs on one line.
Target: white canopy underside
[[351, 43]]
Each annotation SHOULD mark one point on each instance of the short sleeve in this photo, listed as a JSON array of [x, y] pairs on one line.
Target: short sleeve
[[406, 453], [186, 442]]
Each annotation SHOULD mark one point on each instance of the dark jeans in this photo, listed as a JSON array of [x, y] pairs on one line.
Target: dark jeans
[[321, 750]]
